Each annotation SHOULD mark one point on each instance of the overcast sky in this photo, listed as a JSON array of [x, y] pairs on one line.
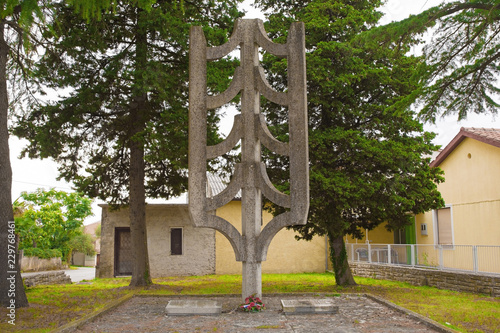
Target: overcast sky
[[28, 175]]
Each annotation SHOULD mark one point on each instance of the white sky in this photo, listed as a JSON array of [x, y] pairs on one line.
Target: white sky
[[28, 175]]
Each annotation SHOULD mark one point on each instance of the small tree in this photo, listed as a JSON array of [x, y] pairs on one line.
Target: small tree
[[83, 243], [50, 219]]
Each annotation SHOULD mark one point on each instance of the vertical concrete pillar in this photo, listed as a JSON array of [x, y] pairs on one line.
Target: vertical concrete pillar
[[250, 155]]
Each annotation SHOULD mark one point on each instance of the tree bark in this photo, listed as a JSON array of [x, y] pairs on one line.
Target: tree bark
[[11, 284], [338, 256], [137, 199], [140, 272]]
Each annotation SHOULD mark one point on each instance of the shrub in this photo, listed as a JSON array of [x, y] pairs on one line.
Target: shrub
[[42, 253]]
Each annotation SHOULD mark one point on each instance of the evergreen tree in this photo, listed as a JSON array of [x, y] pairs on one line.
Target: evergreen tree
[[19, 20], [121, 133], [367, 165], [461, 70]]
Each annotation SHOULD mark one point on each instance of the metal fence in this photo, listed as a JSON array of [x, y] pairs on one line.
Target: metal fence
[[468, 258]]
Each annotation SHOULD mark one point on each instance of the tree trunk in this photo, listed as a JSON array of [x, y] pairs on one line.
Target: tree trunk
[[338, 256], [138, 233], [12, 293], [137, 196]]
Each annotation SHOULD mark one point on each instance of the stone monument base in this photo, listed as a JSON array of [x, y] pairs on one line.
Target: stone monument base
[[320, 306], [193, 308]]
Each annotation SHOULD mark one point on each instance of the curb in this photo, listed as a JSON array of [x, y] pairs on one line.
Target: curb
[[74, 325]]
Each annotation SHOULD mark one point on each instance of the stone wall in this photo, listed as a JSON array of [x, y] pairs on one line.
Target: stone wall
[[459, 281], [35, 264], [58, 277]]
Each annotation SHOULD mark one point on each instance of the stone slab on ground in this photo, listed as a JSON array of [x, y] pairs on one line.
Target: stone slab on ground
[[304, 306], [193, 307]]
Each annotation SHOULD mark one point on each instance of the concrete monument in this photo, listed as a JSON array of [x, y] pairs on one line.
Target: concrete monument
[[250, 247]]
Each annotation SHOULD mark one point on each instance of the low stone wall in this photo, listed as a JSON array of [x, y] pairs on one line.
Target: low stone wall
[[58, 277], [459, 281], [35, 264]]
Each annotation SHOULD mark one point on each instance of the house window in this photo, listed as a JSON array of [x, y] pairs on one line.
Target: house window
[[176, 241], [444, 226]]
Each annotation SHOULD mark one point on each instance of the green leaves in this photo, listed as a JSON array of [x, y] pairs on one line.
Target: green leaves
[[50, 219]]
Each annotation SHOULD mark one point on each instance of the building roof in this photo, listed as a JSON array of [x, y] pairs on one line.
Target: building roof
[[91, 228], [217, 183], [490, 136]]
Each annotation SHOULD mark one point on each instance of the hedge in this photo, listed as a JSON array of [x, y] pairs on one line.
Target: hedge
[[42, 253]]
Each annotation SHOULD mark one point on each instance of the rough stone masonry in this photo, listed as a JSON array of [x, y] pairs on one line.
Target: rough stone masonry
[[250, 176]]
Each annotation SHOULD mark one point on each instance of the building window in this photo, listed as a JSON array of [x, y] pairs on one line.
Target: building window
[[444, 227], [176, 241]]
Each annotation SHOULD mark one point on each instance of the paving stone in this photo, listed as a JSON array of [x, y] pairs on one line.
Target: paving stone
[[190, 307], [296, 306]]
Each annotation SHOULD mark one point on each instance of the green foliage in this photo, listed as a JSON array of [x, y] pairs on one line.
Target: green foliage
[[83, 243], [462, 60], [42, 253], [368, 153], [50, 219], [461, 71], [98, 231], [126, 90]]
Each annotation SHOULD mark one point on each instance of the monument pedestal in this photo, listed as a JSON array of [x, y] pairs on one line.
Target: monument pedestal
[[306, 306]]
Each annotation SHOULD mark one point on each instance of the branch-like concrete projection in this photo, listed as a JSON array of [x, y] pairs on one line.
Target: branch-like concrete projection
[[250, 127]]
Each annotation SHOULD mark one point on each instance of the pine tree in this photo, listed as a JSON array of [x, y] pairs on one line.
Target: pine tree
[[461, 70], [121, 134], [367, 165], [18, 37]]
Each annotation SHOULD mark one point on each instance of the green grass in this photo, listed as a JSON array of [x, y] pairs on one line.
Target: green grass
[[56, 305]]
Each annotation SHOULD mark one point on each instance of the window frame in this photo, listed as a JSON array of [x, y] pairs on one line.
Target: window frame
[[435, 221]]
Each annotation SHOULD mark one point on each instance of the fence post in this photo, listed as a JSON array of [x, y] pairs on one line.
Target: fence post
[[475, 263], [352, 252], [369, 253], [412, 253], [389, 261]]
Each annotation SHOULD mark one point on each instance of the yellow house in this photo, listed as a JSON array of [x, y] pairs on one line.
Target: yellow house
[[471, 192], [176, 247], [462, 234]]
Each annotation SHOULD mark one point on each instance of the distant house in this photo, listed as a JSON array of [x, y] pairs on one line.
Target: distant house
[[81, 259], [176, 247], [471, 191]]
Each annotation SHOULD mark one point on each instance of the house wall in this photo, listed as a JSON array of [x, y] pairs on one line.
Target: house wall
[[285, 254], [379, 235], [472, 191], [198, 256]]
